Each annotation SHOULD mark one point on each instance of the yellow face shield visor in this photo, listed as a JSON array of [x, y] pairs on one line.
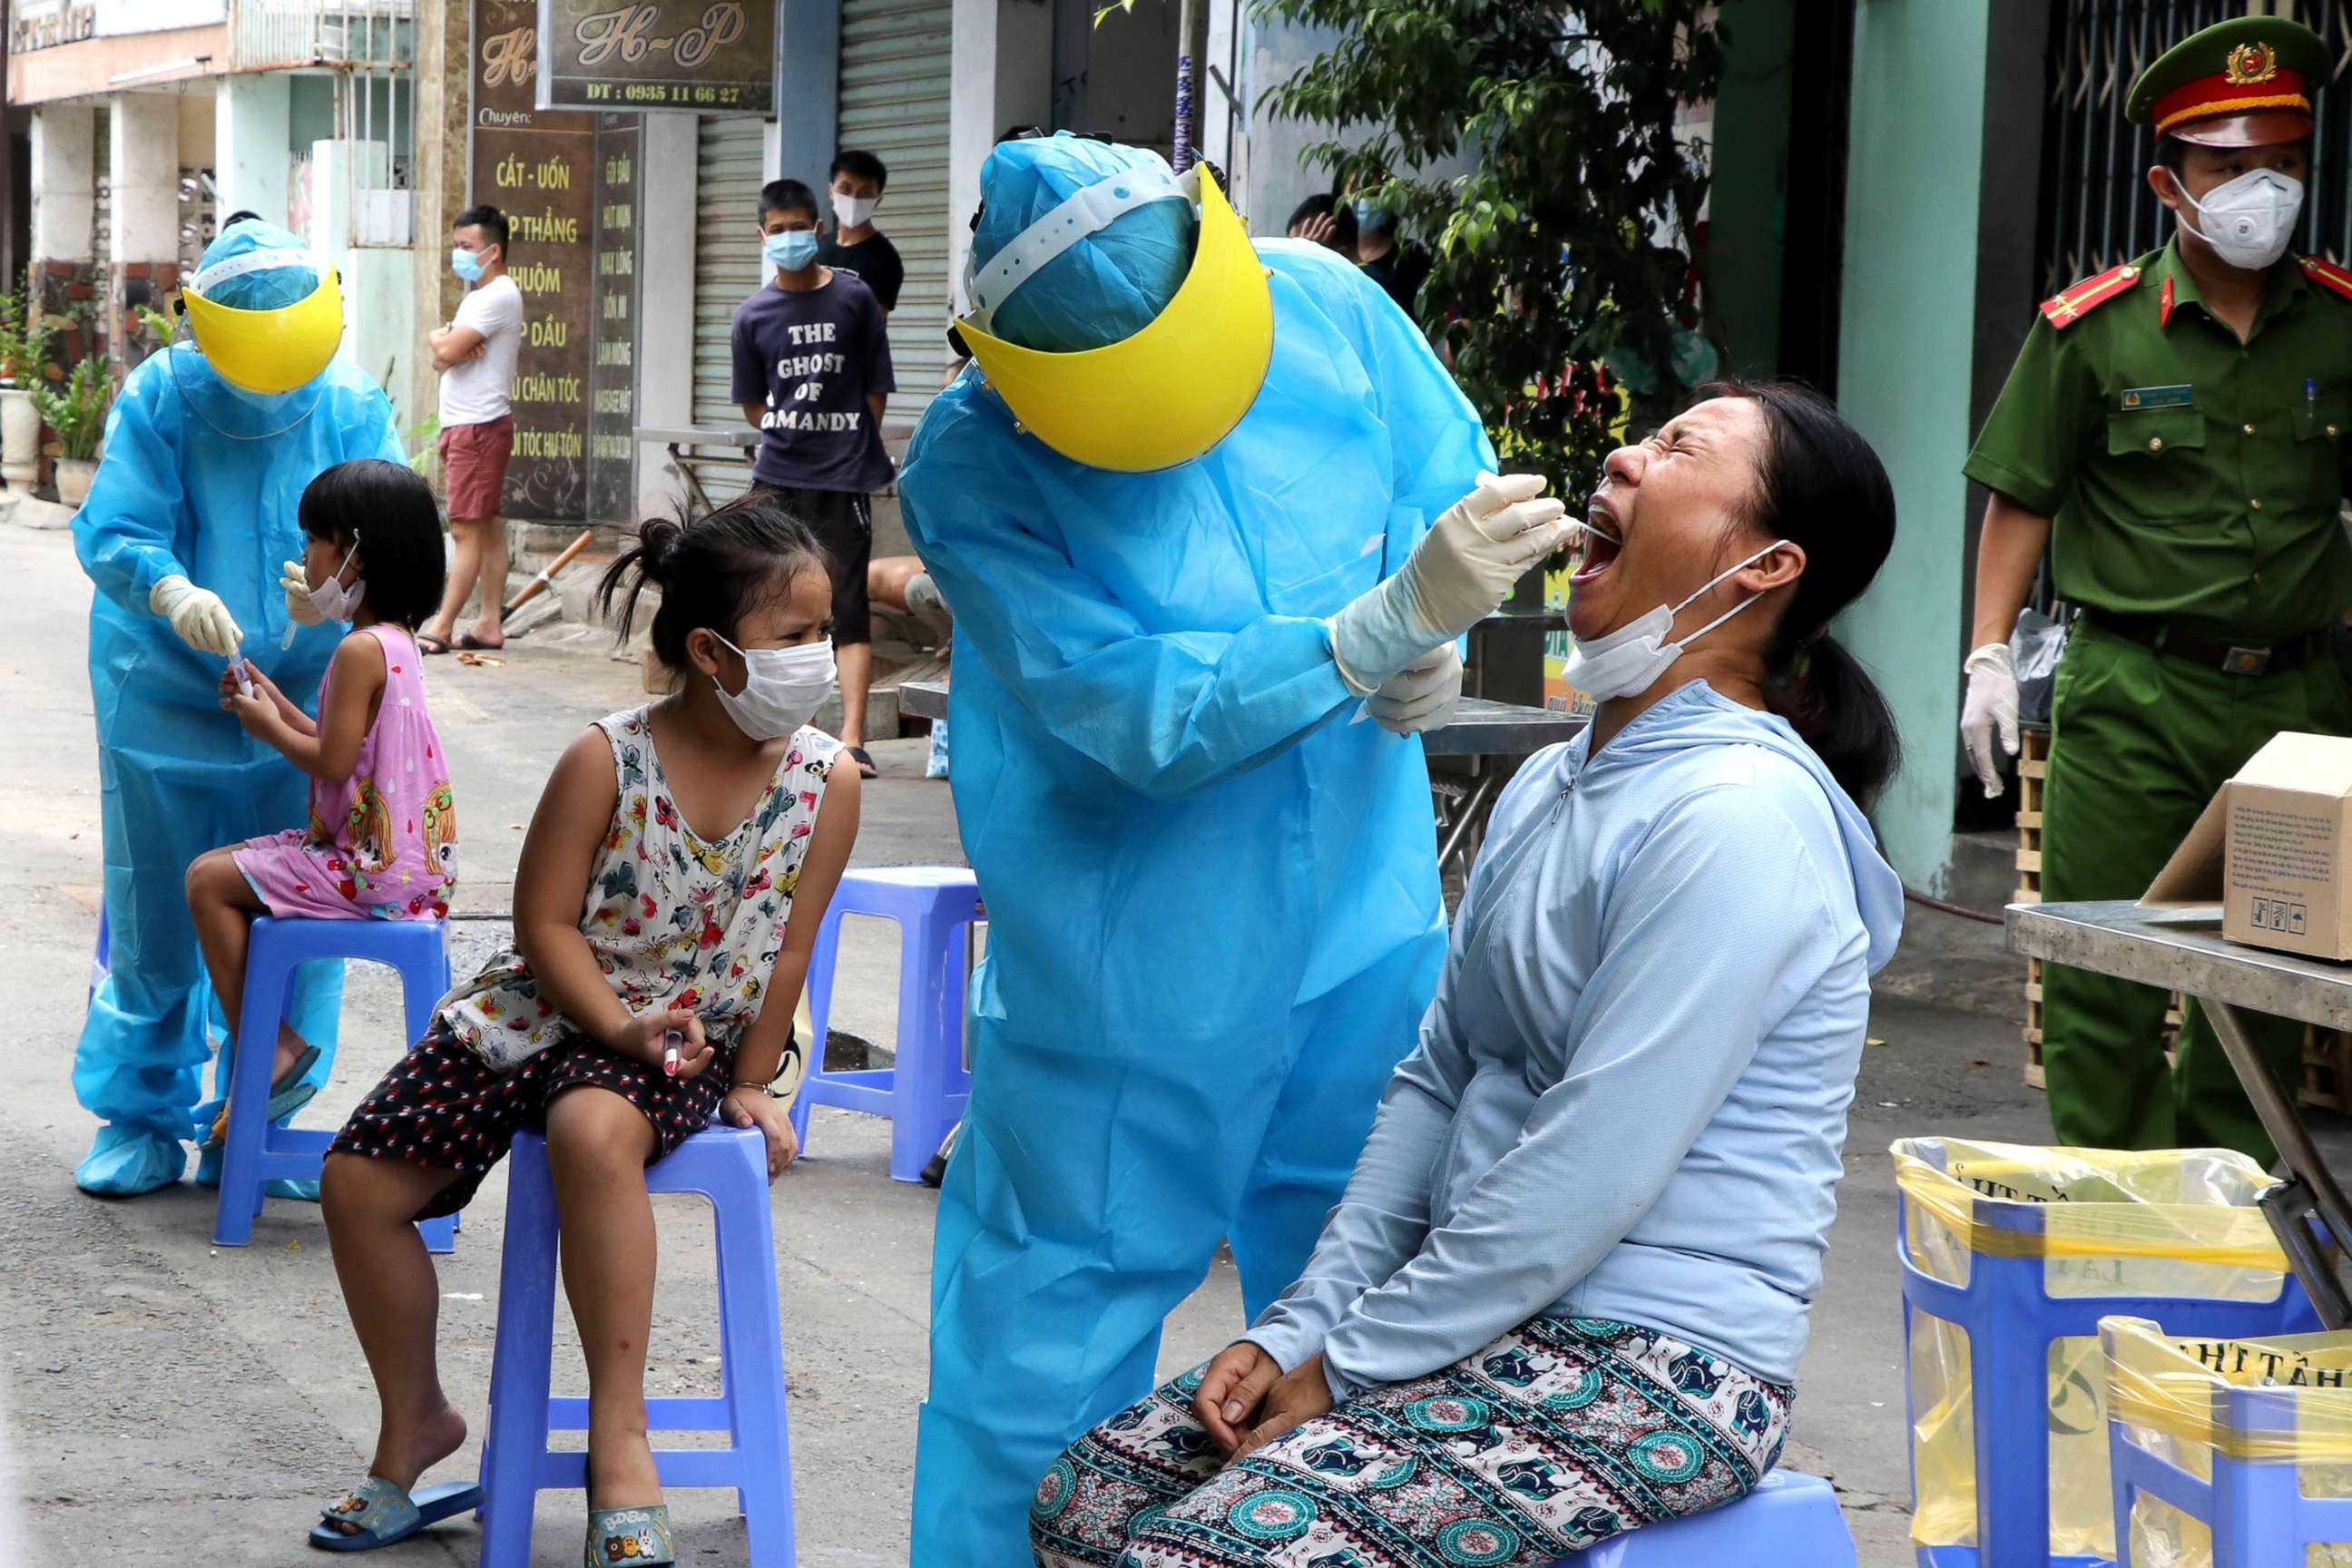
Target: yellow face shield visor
[[269, 351], [1165, 394]]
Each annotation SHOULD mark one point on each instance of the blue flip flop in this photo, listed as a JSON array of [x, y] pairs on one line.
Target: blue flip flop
[[287, 1096], [383, 1513]]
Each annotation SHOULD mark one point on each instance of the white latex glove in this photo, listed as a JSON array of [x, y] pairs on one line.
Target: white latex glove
[[297, 585], [1990, 707], [1421, 696], [196, 615], [1470, 558], [1475, 554]]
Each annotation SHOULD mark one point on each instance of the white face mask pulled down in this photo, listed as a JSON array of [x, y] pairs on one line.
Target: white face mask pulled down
[[2248, 221], [782, 687], [1630, 659]]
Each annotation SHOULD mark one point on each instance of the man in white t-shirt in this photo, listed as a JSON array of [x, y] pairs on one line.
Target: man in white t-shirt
[[475, 356]]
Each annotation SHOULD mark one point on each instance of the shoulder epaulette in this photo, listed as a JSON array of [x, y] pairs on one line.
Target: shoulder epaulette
[[2328, 275], [2066, 307]]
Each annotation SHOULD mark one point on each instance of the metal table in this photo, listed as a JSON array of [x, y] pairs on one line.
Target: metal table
[[1479, 728], [741, 439], [2183, 949]]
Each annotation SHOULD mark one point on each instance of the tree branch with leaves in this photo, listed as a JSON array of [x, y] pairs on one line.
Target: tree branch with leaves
[[1554, 256]]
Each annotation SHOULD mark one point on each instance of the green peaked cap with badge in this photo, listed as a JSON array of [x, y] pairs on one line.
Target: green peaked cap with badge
[[2245, 83]]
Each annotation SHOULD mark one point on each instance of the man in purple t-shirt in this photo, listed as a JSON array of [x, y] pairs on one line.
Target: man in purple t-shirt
[[812, 373]]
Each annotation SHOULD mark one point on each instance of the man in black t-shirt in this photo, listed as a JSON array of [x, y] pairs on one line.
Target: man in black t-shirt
[[812, 373], [855, 245]]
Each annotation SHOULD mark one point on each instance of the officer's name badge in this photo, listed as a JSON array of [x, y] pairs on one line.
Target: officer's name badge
[[2137, 398]]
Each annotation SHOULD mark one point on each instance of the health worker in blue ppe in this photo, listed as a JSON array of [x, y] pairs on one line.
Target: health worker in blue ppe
[[188, 534], [1195, 502]]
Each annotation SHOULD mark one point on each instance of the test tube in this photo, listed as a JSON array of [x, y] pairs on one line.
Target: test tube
[[673, 1040]]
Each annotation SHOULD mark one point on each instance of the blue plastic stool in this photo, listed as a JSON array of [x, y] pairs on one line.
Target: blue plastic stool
[[2012, 1320], [730, 1167], [256, 1150], [2258, 1513], [924, 1094], [1789, 1521]]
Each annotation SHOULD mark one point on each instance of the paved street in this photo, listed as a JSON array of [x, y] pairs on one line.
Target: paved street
[[174, 1402]]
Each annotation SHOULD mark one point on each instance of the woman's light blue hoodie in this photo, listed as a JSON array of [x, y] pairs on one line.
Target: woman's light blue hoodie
[[1630, 1096]]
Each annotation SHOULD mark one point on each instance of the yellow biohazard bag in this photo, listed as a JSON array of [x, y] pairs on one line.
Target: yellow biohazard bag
[[2179, 1222], [2170, 1396]]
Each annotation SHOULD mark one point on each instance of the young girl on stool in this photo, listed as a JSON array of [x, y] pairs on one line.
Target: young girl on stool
[[381, 842], [702, 836]]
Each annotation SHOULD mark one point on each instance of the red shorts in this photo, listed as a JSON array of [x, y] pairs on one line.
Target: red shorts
[[474, 458]]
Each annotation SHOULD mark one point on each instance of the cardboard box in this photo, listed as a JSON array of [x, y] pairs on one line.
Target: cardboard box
[[2275, 849]]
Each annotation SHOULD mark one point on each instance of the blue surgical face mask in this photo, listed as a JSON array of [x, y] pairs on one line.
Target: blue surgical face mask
[[466, 264], [791, 250], [1369, 216]]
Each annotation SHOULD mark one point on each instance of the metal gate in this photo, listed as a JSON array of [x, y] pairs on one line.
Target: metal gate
[[729, 156], [2096, 209], [894, 103]]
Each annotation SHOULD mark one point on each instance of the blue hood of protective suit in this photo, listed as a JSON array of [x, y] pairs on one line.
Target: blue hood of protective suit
[[271, 288], [1106, 287], [231, 410], [1697, 717]]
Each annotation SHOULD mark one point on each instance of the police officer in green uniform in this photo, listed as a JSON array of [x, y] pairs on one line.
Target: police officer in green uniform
[[2174, 435]]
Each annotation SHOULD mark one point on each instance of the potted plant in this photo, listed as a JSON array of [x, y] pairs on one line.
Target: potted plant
[[76, 410], [24, 348]]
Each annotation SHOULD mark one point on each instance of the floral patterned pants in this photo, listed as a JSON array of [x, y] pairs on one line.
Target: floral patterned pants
[[1560, 1434]]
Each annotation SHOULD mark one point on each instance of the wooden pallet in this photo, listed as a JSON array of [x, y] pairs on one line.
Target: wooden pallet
[[2032, 775], [2326, 1053]]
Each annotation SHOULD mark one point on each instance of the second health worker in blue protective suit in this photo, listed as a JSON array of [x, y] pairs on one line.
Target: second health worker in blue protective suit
[[1197, 501], [189, 523]]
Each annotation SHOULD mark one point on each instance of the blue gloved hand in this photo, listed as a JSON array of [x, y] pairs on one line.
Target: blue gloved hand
[[1463, 568]]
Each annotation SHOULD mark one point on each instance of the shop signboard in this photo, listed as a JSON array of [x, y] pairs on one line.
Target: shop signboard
[[713, 56], [612, 335], [36, 24], [538, 167]]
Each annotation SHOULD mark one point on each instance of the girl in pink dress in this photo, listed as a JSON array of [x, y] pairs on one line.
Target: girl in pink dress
[[382, 841]]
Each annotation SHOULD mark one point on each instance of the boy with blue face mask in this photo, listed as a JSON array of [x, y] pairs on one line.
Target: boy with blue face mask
[[812, 373]]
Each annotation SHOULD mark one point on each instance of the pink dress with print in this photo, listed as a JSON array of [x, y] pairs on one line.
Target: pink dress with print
[[383, 844]]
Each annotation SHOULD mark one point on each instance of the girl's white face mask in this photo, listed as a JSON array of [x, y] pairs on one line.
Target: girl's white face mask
[[1630, 659], [331, 598], [782, 687]]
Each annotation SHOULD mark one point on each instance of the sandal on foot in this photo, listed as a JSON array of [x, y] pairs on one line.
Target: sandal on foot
[[864, 764], [637, 1537], [381, 1513], [429, 645], [473, 643], [287, 1096]]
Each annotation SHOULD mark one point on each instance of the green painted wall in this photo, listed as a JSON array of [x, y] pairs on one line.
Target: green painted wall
[[1907, 317], [1746, 205]]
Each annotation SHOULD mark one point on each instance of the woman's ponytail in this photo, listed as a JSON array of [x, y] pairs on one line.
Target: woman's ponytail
[[1834, 707]]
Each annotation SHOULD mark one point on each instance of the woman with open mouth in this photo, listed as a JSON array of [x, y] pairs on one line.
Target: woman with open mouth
[[1567, 1289]]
